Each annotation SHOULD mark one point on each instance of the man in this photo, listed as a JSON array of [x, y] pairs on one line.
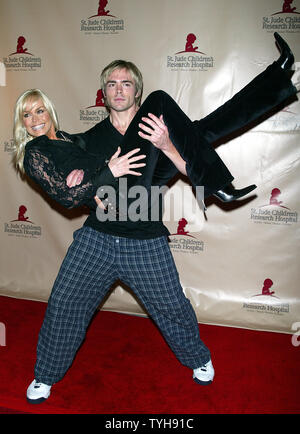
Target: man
[[136, 252]]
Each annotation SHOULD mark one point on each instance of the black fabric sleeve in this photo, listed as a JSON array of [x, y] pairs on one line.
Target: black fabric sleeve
[[40, 167]]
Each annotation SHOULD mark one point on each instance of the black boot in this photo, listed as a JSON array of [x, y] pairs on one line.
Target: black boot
[[286, 58], [229, 193]]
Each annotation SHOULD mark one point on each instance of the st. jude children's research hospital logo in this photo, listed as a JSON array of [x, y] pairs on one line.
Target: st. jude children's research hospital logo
[[22, 226], [94, 113], [9, 145], [21, 59], [182, 241], [274, 212], [103, 22], [266, 301], [189, 217], [285, 18], [191, 58]]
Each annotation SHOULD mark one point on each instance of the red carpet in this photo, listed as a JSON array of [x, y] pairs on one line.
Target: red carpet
[[125, 367]]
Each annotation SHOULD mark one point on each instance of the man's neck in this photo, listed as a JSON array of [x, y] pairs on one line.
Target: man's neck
[[121, 120]]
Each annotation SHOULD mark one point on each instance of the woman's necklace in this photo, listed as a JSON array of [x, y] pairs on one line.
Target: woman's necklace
[[65, 138]]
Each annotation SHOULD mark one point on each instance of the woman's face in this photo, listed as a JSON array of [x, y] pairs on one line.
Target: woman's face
[[37, 120]]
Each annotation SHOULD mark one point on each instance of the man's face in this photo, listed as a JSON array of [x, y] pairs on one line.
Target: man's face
[[120, 90]]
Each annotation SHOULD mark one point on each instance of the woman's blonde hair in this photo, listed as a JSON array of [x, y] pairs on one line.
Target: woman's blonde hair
[[130, 67], [21, 136]]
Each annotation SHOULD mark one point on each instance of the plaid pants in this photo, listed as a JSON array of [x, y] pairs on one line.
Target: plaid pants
[[93, 263]]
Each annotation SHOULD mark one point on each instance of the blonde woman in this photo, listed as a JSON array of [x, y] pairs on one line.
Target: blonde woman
[[48, 155]]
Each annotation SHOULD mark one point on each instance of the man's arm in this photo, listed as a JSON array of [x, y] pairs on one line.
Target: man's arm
[[118, 166]]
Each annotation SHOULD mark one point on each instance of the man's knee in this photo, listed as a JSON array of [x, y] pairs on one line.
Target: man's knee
[[157, 96]]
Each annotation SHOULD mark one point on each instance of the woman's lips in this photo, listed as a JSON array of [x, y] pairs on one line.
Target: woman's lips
[[38, 127]]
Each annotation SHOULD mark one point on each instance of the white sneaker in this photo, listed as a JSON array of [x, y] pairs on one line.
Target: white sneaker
[[37, 392], [205, 374]]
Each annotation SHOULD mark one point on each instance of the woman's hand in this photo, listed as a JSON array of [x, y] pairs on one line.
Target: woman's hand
[[121, 166], [75, 178], [99, 202], [157, 133]]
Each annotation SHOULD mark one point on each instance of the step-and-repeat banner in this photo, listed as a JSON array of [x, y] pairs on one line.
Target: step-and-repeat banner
[[238, 263]]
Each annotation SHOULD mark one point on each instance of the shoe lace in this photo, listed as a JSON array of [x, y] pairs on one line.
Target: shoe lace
[[204, 367]]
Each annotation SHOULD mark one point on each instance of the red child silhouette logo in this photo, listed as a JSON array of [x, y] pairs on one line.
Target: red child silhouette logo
[[102, 6], [181, 228], [20, 47], [275, 193], [99, 100], [190, 39], [21, 215], [268, 283], [287, 8], [181, 225], [189, 45], [101, 10], [266, 287]]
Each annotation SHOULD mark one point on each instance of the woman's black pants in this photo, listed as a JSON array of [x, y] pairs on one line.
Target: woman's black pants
[[194, 139]]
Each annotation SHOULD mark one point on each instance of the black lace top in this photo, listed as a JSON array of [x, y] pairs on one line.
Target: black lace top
[[48, 162]]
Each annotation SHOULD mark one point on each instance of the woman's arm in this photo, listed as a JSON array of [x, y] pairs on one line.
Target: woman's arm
[[40, 167], [157, 133], [69, 191]]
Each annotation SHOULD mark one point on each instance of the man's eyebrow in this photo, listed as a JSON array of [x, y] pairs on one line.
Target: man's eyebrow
[[122, 81]]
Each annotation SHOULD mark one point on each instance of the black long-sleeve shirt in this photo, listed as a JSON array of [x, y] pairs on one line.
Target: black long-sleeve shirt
[[48, 162], [103, 140]]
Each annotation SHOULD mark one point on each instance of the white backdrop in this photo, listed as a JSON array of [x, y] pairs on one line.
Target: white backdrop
[[241, 267]]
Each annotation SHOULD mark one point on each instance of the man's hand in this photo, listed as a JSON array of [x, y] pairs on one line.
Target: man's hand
[[121, 166], [99, 202], [75, 178]]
